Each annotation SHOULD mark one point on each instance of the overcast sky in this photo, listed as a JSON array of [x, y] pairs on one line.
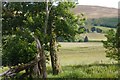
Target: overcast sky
[[106, 3]]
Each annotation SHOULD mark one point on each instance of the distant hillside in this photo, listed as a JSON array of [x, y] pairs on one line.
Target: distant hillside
[[95, 11], [98, 16]]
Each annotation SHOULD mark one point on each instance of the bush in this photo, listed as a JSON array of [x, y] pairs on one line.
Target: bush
[[93, 29], [110, 45], [86, 39], [98, 30], [18, 49]]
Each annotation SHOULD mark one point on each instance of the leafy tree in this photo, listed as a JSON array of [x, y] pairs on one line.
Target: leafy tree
[[26, 21], [19, 48], [61, 22], [118, 41], [98, 30], [93, 29], [105, 22], [111, 45]]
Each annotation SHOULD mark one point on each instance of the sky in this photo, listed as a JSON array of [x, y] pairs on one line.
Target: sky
[[105, 3]]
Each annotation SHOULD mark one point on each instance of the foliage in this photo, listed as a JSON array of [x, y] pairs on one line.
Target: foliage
[[106, 22], [23, 18], [65, 24], [19, 48], [19, 21], [98, 30], [110, 45], [93, 29]]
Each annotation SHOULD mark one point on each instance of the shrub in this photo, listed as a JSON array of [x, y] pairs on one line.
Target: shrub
[[18, 49], [86, 39], [110, 45]]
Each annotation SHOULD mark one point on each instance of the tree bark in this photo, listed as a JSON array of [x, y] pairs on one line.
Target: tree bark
[[118, 41], [53, 54], [118, 46], [19, 68], [42, 63], [47, 17]]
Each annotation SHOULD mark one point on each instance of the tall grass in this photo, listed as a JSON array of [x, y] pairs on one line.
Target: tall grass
[[87, 71]]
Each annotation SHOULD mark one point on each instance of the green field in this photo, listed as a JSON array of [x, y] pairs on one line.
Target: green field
[[84, 60], [105, 29], [82, 53], [94, 37]]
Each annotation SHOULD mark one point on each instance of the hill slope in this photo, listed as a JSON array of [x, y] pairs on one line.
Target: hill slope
[[95, 11]]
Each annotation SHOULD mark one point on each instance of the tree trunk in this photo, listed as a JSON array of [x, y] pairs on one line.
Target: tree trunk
[[53, 54], [47, 17], [118, 41], [54, 58], [118, 46], [42, 63], [19, 68]]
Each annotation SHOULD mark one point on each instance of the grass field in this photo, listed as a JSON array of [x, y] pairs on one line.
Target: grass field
[[83, 60], [94, 36], [105, 29], [82, 53]]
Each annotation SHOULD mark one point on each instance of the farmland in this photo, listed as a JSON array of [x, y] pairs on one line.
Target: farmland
[[82, 53], [31, 31], [84, 60]]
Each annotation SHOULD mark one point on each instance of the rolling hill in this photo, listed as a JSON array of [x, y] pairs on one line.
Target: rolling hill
[[95, 11], [98, 15], [104, 18]]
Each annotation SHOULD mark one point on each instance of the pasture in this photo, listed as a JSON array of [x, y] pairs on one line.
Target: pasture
[[105, 29], [82, 53], [94, 37], [84, 60]]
